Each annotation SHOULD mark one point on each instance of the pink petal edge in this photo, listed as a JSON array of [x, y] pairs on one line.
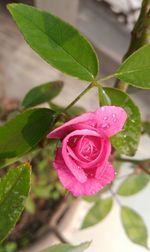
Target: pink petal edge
[[90, 187], [111, 119]]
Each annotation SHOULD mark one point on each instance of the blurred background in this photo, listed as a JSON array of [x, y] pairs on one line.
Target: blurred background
[[107, 24]]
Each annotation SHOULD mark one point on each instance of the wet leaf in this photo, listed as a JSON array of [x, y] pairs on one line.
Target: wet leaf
[[14, 188], [126, 141]]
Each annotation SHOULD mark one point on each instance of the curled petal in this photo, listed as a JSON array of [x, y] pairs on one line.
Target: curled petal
[[90, 187], [76, 123], [102, 157], [110, 119]]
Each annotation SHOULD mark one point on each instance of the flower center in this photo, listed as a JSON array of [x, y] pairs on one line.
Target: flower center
[[86, 148]]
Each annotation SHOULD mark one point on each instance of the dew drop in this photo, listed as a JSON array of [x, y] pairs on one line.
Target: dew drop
[[102, 108], [105, 118], [114, 115], [105, 125], [115, 120], [93, 125]]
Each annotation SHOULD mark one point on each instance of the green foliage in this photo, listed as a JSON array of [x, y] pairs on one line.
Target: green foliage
[[56, 41], [104, 99], [92, 198], [135, 69], [98, 212], [68, 248], [126, 142], [42, 93], [133, 184], [9, 247], [24, 132], [14, 188], [146, 127], [134, 226]]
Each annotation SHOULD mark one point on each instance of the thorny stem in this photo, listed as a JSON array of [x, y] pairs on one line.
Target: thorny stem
[[139, 37], [92, 84]]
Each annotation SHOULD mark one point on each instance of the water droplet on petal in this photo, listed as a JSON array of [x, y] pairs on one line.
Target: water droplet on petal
[[105, 125], [102, 108], [114, 115], [105, 118], [115, 120], [93, 125]]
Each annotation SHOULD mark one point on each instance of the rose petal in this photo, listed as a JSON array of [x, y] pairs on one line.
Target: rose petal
[[110, 119], [76, 171], [102, 157], [76, 123], [90, 187]]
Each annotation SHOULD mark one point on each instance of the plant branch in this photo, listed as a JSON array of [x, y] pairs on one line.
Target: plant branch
[[59, 235], [140, 163], [139, 37], [134, 161], [92, 84], [115, 197], [144, 169], [107, 77]]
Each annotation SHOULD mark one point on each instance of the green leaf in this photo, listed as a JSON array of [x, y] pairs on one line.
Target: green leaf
[[135, 69], [146, 127], [42, 93], [68, 248], [134, 226], [22, 133], [97, 213], [126, 142], [103, 97], [133, 184], [14, 188], [92, 198], [56, 41]]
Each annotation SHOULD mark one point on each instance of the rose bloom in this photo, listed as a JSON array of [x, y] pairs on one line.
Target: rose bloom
[[82, 161]]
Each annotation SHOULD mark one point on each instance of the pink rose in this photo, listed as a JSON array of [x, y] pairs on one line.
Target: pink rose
[[82, 161]]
